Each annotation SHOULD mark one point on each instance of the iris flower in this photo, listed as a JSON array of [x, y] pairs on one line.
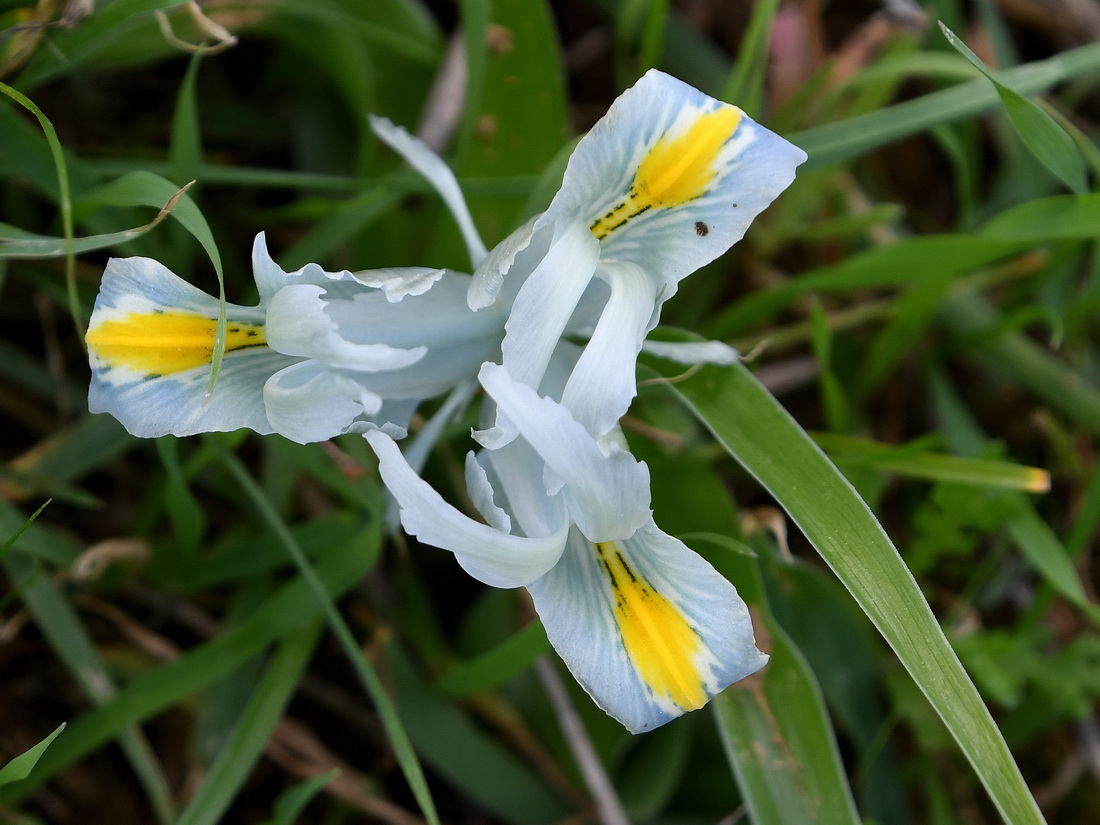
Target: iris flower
[[662, 185], [668, 180]]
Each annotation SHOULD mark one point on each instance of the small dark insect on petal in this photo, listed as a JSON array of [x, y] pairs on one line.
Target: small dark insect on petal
[[701, 229]]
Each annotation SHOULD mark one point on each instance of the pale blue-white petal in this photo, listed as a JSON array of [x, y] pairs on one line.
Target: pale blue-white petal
[[515, 257], [311, 402], [693, 352], [298, 324], [670, 178], [150, 346], [417, 154], [270, 277], [495, 558], [481, 495], [607, 494], [547, 300], [516, 474], [397, 283], [438, 317], [602, 384], [646, 626]]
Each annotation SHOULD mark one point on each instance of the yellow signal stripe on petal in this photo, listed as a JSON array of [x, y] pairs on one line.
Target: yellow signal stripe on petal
[[162, 343], [661, 643], [675, 171]]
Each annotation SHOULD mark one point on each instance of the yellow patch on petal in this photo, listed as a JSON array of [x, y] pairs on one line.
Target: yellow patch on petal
[[661, 643], [162, 343], [675, 171]]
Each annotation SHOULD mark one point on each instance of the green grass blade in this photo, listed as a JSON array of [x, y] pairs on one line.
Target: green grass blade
[[745, 85], [60, 624], [1048, 141], [65, 200], [774, 724], [19, 767], [15, 243], [514, 655], [399, 739], [286, 610], [757, 432], [246, 744], [917, 463], [847, 139], [22, 528]]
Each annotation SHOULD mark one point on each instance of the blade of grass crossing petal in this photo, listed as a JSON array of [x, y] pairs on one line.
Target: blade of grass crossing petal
[[245, 746], [760, 435], [1042, 136], [19, 767], [774, 725], [291, 606], [151, 190], [399, 739], [65, 200], [745, 85], [59, 623]]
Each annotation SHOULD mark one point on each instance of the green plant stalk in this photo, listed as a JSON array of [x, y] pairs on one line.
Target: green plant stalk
[[402, 746], [65, 201], [764, 438], [847, 139]]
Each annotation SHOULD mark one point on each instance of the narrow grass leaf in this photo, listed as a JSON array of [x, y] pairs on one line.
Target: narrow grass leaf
[[763, 437], [186, 148], [466, 756], [291, 802], [905, 263], [65, 200], [970, 317], [745, 85], [513, 656], [1058, 218], [16, 243], [22, 528], [246, 744], [1048, 141], [384, 706], [60, 624], [288, 609], [19, 767], [919, 463], [774, 725], [851, 138], [1047, 555]]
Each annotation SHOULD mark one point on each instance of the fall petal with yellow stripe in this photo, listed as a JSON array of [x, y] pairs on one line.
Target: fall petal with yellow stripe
[[323, 353]]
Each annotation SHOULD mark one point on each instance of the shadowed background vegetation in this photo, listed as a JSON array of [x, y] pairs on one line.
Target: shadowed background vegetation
[[923, 301]]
